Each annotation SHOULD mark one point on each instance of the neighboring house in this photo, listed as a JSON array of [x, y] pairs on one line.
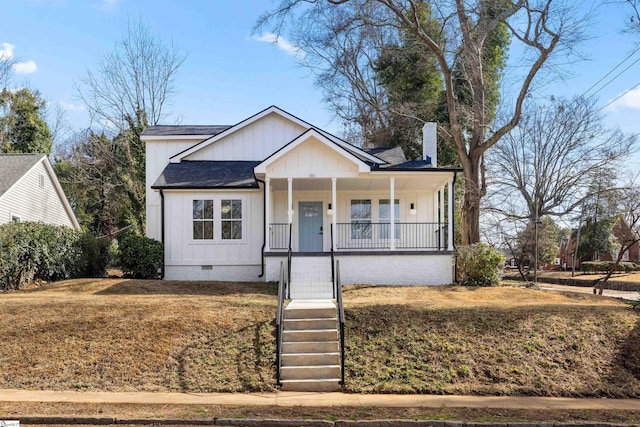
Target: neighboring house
[[30, 191], [567, 248], [208, 186]]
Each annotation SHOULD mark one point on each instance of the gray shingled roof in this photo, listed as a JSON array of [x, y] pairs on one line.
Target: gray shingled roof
[[410, 164], [391, 155], [208, 174], [204, 130], [13, 167]]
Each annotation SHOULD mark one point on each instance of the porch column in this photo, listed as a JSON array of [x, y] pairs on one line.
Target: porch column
[[290, 200], [335, 211], [450, 215], [267, 213], [392, 205], [435, 206], [441, 237]]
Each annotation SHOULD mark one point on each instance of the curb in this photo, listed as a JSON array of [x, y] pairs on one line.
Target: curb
[[248, 422]]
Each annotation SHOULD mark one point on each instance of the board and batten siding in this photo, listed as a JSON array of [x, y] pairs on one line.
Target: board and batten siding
[[31, 202], [256, 141], [312, 158], [158, 154], [212, 260]]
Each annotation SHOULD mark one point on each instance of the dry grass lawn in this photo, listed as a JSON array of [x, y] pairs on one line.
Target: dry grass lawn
[[504, 341], [132, 335]]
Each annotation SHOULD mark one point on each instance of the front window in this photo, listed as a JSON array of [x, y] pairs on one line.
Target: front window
[[231, 219], [203, 220], [361, 219], [384, 216]]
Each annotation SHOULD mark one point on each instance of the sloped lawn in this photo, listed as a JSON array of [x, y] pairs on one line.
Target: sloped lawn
[[130, 335], [496, 341]]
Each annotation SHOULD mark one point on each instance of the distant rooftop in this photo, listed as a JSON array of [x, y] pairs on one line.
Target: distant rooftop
[[204, 130], [13, 166]]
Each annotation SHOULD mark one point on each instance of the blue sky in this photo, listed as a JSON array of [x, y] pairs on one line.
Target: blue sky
[[230, 75]]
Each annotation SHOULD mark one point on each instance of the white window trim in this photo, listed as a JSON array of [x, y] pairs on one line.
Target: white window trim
[[375, 215], [12, 216], [213, 220], [217, 220]]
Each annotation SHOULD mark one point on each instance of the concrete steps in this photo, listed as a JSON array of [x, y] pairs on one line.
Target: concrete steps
[[311, 277], [310, 359]]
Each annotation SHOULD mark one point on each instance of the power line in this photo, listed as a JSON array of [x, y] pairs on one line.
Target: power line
[[612, 70], [616, 98]]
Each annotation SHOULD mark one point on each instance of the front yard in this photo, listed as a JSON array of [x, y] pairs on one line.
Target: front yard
[[130, 335]]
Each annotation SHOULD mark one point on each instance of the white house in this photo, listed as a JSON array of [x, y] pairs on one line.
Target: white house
[[223, 200], [30, 191]]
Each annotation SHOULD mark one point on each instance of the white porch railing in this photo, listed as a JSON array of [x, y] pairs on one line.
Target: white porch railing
[[374, 236]]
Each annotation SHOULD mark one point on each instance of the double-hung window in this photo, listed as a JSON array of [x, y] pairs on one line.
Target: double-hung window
[[231, 219], [203, 220], [384, 217], [217, 219], [361, 219]]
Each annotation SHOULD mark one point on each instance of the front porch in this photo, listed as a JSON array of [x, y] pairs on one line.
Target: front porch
[[355, 214]]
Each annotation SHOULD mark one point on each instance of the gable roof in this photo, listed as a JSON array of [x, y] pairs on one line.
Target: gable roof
[[363, 155], [17, 166], [207, 174], [14, 166], [204, 130], [320, 136]]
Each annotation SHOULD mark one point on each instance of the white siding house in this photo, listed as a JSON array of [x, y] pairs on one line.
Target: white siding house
[[30, 191], [228, 202]]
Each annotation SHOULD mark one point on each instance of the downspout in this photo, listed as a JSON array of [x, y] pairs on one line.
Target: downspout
[[453, 225], [162, 231], [264, 221]]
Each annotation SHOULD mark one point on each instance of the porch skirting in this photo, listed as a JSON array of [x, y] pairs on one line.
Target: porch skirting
[[377, 269]]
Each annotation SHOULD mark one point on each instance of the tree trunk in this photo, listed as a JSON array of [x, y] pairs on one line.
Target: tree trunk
[[471, 204]]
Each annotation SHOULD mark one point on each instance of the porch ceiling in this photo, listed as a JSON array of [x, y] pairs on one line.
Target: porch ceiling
[[428, 183]]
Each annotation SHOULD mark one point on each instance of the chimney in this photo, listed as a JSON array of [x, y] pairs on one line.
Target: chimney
[[430, 143]]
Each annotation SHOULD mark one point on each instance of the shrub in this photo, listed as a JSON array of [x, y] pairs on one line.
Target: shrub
[[31, 250], [95, 258], [479, 265], [607, 266], [140, 257]]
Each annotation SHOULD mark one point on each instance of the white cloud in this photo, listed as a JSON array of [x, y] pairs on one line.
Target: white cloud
[[630, 100], [281, 43], [69, 106], [25, 67], [7, 51]]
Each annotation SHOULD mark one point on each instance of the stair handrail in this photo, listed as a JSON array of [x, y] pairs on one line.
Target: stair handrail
[[279, 321], [289, 264], [333, 270], [341, 318]]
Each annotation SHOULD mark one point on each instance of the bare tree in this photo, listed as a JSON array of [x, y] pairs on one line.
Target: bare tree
[[7, 61], [546, 166], [135, 82], [459, 42], [131, 90]]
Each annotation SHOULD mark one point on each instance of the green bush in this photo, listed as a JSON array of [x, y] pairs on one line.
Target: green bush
[[140, 257], [96, 256], [607, 266], [30, 250], [479, 265]]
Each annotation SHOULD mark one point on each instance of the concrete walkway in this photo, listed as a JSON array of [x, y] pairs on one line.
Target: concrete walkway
[[288, 399], [628, 295]]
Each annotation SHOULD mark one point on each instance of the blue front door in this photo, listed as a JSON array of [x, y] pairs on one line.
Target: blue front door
[[310, 226]]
